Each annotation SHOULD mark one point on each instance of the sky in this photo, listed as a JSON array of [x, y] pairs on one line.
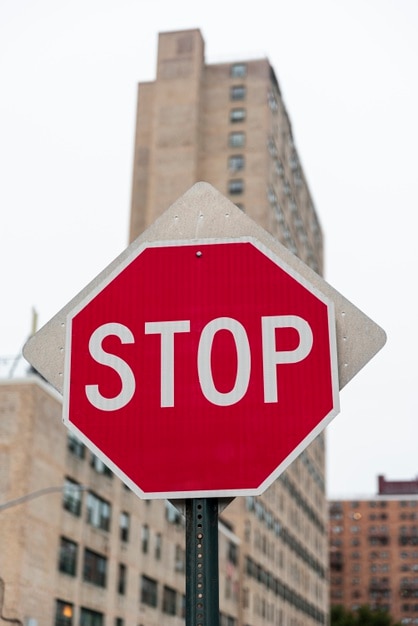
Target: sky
[[348, 75]]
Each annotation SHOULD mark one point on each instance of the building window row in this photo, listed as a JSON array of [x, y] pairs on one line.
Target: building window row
[[262, 513], [316, 476], [273, 101], [95, 571], [64, 615], [266, 578], [237, 139], [284, 228], [173, 602], [301, 502], [99, 467], [99, 510], [227, 620], [409, 555], [78, 449], [302, 553]]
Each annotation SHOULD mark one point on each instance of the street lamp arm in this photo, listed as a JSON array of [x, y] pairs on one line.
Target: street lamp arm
[[36, 494]]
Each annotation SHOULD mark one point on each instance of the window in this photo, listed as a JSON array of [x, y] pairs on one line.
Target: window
[[124, 526], [119, 621], [238, 92], [64, 612], [238, 70], [98, 512], [228, 587], [173, 516], [67, 562], [236, 140], [75, 446], [95, 568], [145, 538], [121, 579], [236, 162], [273, 102], [90, 618], [247, 530], [98, 465], [235, 186], [72, 496], [169, 601], [237, 115], [148, 591], [232, 554], [180, 559], [158, 546]]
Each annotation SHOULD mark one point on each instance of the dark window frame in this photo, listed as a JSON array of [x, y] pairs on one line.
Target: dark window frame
[[94, 568], [68, 556], [238, 93], [149, 591]]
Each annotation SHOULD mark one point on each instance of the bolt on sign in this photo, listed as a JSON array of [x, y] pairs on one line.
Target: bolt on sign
[[206, 357]]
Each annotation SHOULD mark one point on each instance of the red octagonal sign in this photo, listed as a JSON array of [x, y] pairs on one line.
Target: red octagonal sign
[[201, 368]]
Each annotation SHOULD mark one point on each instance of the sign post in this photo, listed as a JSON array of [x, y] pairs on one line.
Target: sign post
[[202, 568], [209, 340]]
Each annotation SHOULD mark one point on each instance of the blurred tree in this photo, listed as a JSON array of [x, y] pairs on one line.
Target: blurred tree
[[363, 616]]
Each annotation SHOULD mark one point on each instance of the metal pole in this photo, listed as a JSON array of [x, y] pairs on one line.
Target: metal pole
[[202, 564]]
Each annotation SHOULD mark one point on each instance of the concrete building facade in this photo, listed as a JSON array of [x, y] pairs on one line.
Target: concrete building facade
[[86, 551], [77, 547], [373, 547]]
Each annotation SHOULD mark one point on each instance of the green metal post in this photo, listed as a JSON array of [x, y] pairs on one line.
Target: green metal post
[[202, 563]]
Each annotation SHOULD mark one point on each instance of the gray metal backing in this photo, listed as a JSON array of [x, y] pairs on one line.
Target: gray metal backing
[[204, 213]]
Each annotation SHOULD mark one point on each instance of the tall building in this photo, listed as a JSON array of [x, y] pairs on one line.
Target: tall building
[[79, 549], [373, 547], [227, 124]]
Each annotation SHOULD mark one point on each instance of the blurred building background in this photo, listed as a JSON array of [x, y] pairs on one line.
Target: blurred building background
[[373, 547]]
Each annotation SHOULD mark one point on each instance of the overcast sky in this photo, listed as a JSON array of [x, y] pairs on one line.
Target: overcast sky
[[348, 74]]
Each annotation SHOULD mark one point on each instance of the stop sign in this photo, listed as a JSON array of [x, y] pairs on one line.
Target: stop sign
[[200, 367]]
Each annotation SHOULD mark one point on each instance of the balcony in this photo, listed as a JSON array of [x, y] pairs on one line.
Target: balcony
[[409, 588], [408, 538], [379, 536]]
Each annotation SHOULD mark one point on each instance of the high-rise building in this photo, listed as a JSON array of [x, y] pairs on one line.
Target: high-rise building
[[227, 124], [80, 549], [373, 550]]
